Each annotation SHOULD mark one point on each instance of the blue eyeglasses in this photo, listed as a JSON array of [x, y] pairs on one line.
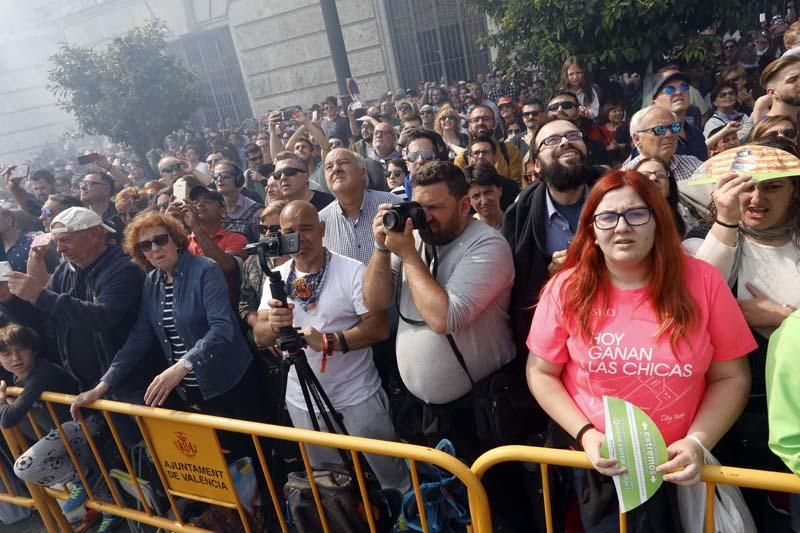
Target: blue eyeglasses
[[662, 129], [669, 90]]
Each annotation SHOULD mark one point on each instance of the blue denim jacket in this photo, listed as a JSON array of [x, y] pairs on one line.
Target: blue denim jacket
[[204, 319]]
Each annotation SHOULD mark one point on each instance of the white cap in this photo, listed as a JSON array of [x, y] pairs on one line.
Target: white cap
[[77, 219]]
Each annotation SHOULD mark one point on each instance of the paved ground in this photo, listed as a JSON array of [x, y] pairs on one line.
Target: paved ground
[[31, 525]]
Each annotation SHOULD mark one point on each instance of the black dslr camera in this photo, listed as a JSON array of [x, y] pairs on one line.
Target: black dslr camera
[[395, 218], [275, 244]]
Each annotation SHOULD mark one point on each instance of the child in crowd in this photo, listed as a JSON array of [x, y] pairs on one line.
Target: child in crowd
[[47, 461]]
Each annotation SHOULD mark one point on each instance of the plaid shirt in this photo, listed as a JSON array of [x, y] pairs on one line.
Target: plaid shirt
[[681, 166], [353, 238], [504, 90]]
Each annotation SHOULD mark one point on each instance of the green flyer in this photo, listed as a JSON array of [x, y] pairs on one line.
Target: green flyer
[[637, 445]]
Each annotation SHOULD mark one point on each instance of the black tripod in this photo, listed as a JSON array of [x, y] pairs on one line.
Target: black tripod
[[291, 345]]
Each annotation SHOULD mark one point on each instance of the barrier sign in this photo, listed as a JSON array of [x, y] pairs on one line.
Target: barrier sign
[[191, 460], [636, 443]]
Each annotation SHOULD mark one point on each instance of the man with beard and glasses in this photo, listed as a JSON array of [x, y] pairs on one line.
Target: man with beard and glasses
[[541, 224], [509, 160], [455, 276]]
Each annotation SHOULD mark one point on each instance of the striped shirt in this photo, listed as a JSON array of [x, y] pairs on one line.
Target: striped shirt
[[175, 340], [353, 238], [681, 166]]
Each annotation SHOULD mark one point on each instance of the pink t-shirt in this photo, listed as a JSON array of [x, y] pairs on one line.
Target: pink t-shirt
[[624, 360]]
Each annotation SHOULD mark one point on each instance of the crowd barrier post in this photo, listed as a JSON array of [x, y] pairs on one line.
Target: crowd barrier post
[[712, 475], [190, 465]]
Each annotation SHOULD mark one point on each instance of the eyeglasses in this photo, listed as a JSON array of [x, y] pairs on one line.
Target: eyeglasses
[[658, 174], [566, 105], [425, 155], [726, 94], [553, 140], [404, 108], [47, 212], [170, 170], [448, 117], [288, 172], [638, 216], [89, 183], [396, 173], [662, 129], [669, 90], [481, 118], [146, 246], [268, 229], [789, 133], [224, 175], [532, 113]]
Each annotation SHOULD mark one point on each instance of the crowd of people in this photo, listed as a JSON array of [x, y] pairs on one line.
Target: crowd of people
[[552, 238]]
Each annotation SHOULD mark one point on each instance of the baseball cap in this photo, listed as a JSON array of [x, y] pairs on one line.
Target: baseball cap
[[663, 78], [425, 108], [77, 219], [503, 100], [199, 190]]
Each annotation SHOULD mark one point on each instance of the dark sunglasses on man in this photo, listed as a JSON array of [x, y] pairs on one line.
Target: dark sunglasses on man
[[425, 155], [288, 172], [566, 105]]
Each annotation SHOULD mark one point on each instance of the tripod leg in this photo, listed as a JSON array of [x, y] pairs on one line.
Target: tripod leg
[[307, 398], [322, 400]]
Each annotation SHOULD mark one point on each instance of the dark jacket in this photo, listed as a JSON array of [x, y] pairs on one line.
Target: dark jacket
[[205, 322], [86, 315], [524, 228]]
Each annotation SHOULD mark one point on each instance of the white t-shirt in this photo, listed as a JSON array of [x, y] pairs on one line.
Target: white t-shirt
[[350, 378], [774, 270]]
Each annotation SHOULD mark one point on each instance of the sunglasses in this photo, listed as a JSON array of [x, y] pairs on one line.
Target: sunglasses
[[224, 175], [288, 172], [532, 113], [726, 94], [427, 113], [669, 90], [397, 173], [563, 105], [789, 133], [448, 117], [268, 229], [146, 246], [425, 155], [47, 212], [662, 129], [658, 174], [169, 170]]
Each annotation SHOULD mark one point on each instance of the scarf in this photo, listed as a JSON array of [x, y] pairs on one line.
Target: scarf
[[771, 234], [306, 290]]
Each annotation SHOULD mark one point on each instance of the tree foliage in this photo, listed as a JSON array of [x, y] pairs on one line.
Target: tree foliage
[[132, 91], [604, 33]]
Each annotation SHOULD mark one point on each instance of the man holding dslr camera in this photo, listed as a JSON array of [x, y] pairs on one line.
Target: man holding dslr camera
[[455, 278]]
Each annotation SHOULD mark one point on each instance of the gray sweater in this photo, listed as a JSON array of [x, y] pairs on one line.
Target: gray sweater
[[477, 272]]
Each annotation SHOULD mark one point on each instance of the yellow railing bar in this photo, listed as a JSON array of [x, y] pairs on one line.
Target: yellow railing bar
[[362, 487], [479, 505], [270, 484], [423, 517], [314, 489], [128, 466], [160, 471]]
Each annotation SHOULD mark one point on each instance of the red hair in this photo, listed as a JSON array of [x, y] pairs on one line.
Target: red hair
[[588, 283]]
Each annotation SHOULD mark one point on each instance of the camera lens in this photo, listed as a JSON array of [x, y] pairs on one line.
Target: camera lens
[[392, 220]]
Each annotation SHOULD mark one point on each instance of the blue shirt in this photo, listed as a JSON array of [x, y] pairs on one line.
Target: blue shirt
[[557, 231], [17, 253]]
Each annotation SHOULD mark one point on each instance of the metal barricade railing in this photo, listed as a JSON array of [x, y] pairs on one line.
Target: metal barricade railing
[[175, 439], [711, 475]]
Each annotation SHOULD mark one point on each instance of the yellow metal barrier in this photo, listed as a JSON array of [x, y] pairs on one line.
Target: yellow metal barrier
[[711, 475], [167, 434]]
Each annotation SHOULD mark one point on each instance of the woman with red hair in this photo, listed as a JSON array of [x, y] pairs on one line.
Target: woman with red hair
[[630, 315]]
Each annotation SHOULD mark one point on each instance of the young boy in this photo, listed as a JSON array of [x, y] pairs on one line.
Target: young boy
[[47, 461]]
